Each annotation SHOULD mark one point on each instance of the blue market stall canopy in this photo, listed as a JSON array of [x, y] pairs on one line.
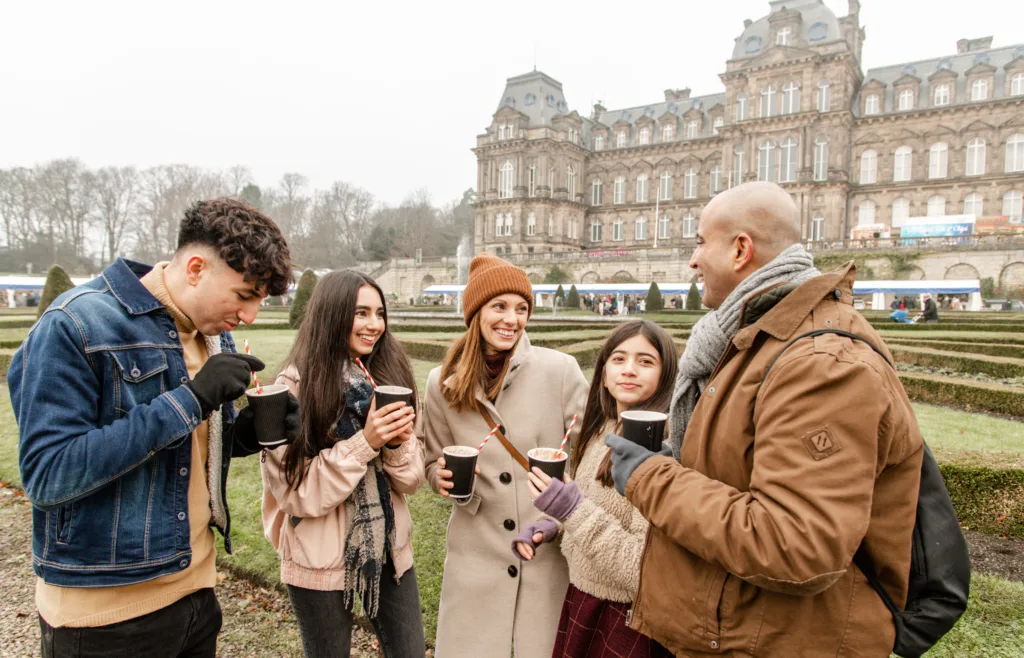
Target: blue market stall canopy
[[950, 287], [18, 282]]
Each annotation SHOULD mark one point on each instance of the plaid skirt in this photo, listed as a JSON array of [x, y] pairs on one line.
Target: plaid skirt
[[592, 628]]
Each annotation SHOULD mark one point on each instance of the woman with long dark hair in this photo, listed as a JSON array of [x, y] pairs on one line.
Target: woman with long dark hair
[[493, 378], [602, 534], [334, 499]]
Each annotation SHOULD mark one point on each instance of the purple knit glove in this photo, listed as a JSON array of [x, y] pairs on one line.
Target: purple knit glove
[[546, 527], [559, 499]]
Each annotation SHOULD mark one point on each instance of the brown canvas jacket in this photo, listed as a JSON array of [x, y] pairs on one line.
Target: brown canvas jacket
[[753, 533]]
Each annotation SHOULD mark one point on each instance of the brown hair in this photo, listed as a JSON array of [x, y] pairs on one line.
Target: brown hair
[[322, 357], [602, 407], [465, 363], [246, 239]]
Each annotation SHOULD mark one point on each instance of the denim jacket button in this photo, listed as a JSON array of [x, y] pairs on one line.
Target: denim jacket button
[[172, 333], [183, 472], [181, 516], [135, 372], [195, 420], [183, 564], [184, 380]]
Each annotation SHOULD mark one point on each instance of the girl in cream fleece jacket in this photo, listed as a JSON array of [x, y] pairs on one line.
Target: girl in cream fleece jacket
[[603, 535]]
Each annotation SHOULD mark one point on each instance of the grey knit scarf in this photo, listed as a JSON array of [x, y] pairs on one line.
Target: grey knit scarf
[[711, 335]]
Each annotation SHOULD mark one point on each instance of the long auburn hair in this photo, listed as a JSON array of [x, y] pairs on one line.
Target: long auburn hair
[[602, 407], [322, 357], [465, 362]]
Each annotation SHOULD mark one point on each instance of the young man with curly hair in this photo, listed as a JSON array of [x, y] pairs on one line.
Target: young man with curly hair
[[123, 395]]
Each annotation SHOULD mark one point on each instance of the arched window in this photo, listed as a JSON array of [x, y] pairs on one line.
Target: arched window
[[689, 225], [936, 206], [1015, 153], [506, 180], [973, 204], [641, 228], [818, 227], [824, 96], [871, 104], [665, 187], [595, 193], [738, 167], [570, 182], [941, 96], [641, 188], [667, 133], [821, 158], [906, 101], [938, 160], [979, 90], [900, 211], [1012, 204], [902, 163], [690, 184], [868, 167], [976, 157], [741, 107], [768, 100], [531, 224], [787, 160], [617, 229], [715, 183], [645, 136], [619, 195], [664, 227], [767, 165], [790, 98], [866, 213], [716, 124], [1017, 84]]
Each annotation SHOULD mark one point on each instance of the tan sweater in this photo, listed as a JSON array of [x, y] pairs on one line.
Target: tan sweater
[[603, 539], [83, 607]]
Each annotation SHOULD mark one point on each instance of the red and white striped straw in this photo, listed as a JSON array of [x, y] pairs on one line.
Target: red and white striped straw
[[565, 438], [366, 372], [487, 438], [255, 379]]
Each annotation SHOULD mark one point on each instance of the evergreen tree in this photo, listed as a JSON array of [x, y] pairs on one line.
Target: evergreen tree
[[302, 294], [560, 294], [654, 299], [693, 298], [573, 301], [57, 283]]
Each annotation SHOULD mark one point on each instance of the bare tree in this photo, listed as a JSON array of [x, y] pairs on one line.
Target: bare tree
[[66, 197], [237, 178], [167, 191], [117, 191]]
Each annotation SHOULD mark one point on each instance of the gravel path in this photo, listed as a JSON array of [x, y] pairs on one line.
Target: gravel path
[[257, 622]]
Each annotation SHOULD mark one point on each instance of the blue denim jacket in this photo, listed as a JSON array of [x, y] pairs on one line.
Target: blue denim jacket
[[105, 435]]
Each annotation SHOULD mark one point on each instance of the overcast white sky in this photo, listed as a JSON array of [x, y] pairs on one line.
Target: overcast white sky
[[385, 95]]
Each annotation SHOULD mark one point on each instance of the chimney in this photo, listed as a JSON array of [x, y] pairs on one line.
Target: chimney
[[963, 46], [682, 94], [598, 109], [853, 8], [670, 95], [747, 23]]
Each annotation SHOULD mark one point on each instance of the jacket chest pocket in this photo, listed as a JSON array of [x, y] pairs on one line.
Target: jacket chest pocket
[[137, 377]]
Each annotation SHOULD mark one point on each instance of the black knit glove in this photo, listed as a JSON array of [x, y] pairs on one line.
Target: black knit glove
[[223, 378]]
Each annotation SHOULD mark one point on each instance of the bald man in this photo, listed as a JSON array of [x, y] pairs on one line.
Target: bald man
[[787, 453]]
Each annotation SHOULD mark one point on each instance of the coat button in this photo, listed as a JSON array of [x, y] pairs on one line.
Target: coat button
[[505, 478], [181, 516], [838, 293], [714, 644], [172, 333], [512, 571], [510, 524], [183, 472]]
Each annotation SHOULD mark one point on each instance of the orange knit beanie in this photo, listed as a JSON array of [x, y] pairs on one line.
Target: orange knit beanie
[[490, 276]]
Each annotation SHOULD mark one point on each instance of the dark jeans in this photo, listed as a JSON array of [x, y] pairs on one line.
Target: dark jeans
[[326, 626], [185, 629]]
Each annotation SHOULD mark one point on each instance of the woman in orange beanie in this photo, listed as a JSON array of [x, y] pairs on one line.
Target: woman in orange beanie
[[492, 602]]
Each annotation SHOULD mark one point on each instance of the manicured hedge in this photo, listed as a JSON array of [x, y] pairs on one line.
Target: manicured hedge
[[16, 324], [946, 326], [263, 326], [424, 349], [987, 500], [989, 349], [994, 366], [10, 344], [961, 337], [963, 394], [5, 360]]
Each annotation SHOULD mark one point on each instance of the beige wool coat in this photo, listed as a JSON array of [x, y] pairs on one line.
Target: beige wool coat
[[490, 601]]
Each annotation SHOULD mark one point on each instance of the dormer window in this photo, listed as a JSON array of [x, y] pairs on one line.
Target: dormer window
[[871, 104], [531, 98], [941, 95], [667, 133], [620, 139], [599, 142], [782, 37], [818, 32], [693, 129], [752, 45], [550, 100], [645, 136], [506, 131], [1017, 84], [979, 90], [718, 123], [906, 101]]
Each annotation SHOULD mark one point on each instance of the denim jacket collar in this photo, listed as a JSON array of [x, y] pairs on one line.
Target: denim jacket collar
[[123, 278]]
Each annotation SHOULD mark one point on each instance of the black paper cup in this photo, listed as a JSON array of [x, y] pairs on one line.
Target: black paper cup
[[645, 428], [461, 461], [269, 409], [386, 395], [550, 460]]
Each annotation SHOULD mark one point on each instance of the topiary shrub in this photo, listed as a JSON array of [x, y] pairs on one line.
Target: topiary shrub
[[57, 283], [655, 302], [560, 294], [693, 298], [302, 294], [573, 301]]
